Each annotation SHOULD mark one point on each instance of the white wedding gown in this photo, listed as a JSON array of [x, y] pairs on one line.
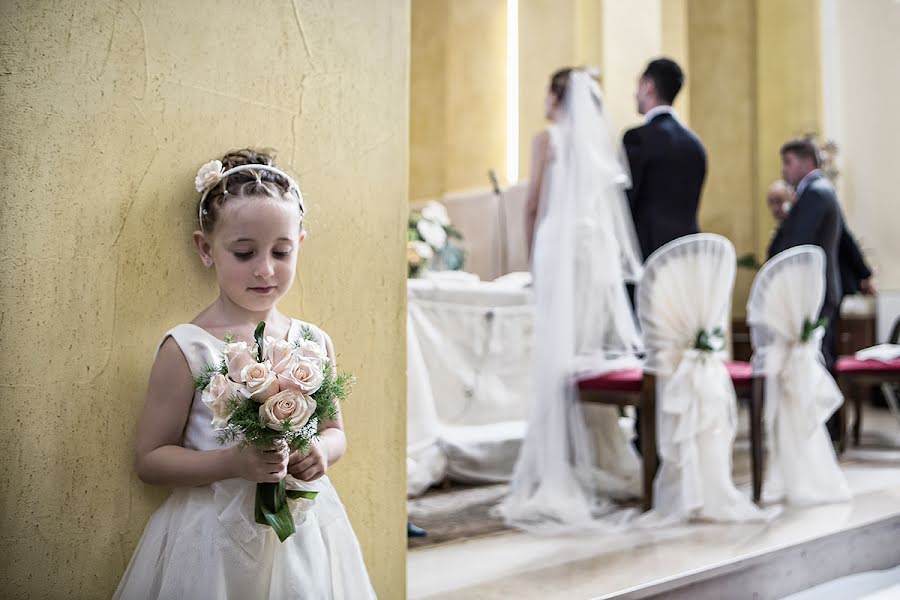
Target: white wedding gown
[[584, 251], [203, 542]]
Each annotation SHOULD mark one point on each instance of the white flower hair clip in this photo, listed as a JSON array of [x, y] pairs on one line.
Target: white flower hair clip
[[209, 175], [214, 171]]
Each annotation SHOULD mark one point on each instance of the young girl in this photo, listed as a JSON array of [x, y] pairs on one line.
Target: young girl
[[203, 542]]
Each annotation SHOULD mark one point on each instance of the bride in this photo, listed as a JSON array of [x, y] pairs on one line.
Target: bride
[[582, 249]]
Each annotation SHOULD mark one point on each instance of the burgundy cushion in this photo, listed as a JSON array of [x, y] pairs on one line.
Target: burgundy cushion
[[848, 364], [741, 372], [628, 380]]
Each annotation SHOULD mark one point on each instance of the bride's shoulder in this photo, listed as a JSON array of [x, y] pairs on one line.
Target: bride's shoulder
[[542, 138], [542, 143]]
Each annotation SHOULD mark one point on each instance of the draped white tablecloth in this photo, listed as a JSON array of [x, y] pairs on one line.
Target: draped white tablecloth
[[469, 348]]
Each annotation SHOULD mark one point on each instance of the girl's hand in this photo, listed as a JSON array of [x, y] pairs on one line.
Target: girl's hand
[[261, 466], [310, 466]]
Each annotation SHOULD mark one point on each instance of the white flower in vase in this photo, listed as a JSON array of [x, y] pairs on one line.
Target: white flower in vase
[[423, 250], [437, 213], [433, 234]]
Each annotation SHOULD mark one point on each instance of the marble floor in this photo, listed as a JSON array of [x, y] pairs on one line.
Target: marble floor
[[519, 565]]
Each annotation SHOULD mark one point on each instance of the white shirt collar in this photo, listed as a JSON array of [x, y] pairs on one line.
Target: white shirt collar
[[659, 110], [807, 179]]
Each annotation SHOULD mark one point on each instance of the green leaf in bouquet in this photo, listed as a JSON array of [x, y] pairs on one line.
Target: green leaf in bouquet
[[306, 334], [453, 232], [296, 494], [272, 509], [258, 336], [202, 380], [334, 389]]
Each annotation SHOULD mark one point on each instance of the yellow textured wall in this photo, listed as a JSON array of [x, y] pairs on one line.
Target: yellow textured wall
[[632, 36], [789, 90], [589, 32], [754, 82], [676, 45], [723, 113], [547, 40], [457, 95], [108, 110], [552, 35], [476, 92], [428, 98]]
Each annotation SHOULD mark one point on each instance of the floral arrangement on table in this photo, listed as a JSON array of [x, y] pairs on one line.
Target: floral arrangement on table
[[273, 393], [432, 243]]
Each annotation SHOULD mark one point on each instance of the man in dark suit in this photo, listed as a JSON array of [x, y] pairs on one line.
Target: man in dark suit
[[815, 218], [856, 275], [667, 160]]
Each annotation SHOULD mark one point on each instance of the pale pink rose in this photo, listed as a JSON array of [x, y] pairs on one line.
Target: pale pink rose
[[259, 382], [217, 396], [305, 375], [279, 353], [287, 404], [237, 356], [311, 349]]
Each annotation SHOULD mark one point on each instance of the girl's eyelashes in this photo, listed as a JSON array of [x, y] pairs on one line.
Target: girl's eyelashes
[[249, 253]]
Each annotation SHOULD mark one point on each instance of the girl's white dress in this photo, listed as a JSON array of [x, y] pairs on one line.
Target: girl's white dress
[[203, 542]]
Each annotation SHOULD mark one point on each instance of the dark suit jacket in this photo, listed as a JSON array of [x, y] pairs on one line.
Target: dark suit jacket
[[815, 219], [668, 166], [853, 265]]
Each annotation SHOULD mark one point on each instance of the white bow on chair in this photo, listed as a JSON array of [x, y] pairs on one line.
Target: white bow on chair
[[801, 394], [683, 305]]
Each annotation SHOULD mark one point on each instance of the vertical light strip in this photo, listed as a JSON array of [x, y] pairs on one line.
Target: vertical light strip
[[512, 91], [829, 45], [831, 88]]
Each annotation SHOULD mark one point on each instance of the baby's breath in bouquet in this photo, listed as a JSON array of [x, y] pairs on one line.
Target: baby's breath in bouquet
[[268, 393]]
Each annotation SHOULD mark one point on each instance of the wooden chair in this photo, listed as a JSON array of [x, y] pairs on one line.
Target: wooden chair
[[633, 387], [854, 376]]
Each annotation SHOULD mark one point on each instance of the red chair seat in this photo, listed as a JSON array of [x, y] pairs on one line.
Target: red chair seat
[[849, 365], [741, 372], [629, 380]]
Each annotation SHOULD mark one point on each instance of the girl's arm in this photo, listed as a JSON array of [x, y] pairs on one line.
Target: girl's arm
[[328, 447], [539, 150], [159, 457]]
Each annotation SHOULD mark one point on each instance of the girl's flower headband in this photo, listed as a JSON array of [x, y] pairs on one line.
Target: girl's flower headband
[[213, 172]]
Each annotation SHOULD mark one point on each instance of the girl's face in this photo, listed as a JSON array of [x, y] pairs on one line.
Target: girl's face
[[254, 248]]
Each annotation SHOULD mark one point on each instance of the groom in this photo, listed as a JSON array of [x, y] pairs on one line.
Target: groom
[[668, 166], [668, 162]]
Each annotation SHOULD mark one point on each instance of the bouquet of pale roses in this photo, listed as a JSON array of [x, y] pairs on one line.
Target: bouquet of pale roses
[[269, 393]]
